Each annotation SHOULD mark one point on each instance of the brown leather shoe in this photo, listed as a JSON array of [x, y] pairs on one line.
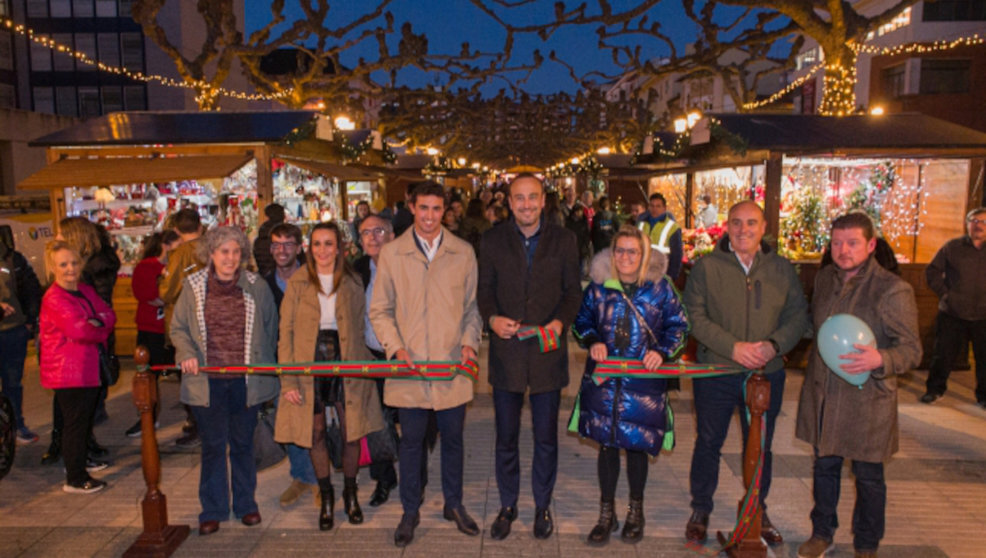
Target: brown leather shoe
[[208, 527], [697, 526], [769, 533], [251, 519]]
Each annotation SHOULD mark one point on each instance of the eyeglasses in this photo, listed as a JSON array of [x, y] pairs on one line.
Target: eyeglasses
[[630, 252], [975, 221], [378, 232], [287, 246]]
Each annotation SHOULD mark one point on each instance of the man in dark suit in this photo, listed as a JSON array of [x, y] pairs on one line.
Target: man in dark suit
[[528, 276]]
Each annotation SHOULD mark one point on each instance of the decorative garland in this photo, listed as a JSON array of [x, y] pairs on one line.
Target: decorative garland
[[547, 340]]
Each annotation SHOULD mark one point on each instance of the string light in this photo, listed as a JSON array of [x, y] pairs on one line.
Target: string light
[[207, 93], [839, 83], [787, 89]]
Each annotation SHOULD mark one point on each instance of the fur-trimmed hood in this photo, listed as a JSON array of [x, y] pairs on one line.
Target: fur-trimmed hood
[[600, 269]]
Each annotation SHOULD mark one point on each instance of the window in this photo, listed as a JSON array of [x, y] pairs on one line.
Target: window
[[86, 43], [894, 82], [126, 8], [133, 51], [8, 96], [61, 8], [88, 102], [40, 58], [955, 10], [112, 98], [82, 8], [44, 100], [944, 76], [105, 8], [134, 97], [64, 62], [4, 10], [37, 8], [65, 102], [109, 48]]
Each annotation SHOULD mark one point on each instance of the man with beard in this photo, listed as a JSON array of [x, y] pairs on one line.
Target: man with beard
[[840, 420]]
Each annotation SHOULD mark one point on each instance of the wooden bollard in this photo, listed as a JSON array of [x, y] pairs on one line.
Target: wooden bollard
[[158, 539], [758, 401]]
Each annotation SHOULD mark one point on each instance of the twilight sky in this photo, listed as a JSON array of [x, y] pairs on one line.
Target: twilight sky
[[448, 23]]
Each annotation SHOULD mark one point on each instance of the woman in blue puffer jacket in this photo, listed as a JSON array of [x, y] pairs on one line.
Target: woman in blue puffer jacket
[[630, 310]]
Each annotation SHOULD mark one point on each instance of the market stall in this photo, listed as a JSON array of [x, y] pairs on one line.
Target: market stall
[[130, 171], [915, 175]]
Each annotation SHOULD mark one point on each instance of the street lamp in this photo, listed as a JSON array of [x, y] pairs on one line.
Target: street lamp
[[462, 161], [342, 122]]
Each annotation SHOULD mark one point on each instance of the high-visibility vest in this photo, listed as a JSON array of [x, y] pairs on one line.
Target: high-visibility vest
[[660, 235]]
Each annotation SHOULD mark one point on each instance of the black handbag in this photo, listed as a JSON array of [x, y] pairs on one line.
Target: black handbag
[[333, 437], [109, 363], [380, 446], [266, 452]]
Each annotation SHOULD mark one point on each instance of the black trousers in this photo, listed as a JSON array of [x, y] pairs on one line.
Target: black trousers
[[869, 513], [383, 471], [77, 408], [952, 336]]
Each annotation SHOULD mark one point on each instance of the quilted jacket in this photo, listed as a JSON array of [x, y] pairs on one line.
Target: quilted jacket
[[70, 357], [629, 413]]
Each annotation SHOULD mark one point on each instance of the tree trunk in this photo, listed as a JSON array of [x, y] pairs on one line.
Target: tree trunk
[[839, 83]]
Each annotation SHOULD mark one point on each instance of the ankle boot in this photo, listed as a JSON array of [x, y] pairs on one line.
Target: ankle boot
[[328, 504], [350, 503], [633, 527], [54, 451], [607, 524]]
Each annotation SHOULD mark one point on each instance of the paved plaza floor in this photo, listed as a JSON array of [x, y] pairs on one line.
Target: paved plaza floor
[[936, 490]]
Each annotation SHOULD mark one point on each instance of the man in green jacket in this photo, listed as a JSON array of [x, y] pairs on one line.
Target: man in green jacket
[[747, 308]]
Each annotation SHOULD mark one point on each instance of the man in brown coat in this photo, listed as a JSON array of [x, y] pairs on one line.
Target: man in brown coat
[[839, 419], [424, 309]]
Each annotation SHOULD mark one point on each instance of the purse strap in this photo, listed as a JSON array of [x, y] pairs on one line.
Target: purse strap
[[640, 318]]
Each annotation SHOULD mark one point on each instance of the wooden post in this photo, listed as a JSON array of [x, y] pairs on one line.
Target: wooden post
[[774, 171], [159, 540], [758, 401]]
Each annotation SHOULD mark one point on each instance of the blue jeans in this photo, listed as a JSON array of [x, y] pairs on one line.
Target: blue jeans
[[227, 423], [716, 399], [13, 351], [544, 468], [869, 513], [414, 423]]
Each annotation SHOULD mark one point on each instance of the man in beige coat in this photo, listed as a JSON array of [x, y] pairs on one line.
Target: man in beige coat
[[842, 421], [424, 308]]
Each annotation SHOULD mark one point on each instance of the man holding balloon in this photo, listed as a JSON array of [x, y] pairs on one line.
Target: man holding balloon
[[867, 324]]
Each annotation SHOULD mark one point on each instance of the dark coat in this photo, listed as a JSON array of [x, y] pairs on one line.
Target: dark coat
[[100, 272], [549, 290], [623, 412], [835, 416]]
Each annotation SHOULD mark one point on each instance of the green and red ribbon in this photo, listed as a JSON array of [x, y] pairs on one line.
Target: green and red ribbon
[[547, 339], [632, 368], [431, 370]]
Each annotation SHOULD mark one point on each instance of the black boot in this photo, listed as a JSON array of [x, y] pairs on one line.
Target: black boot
[[350, 503], [606, 525], [633, 527], [328, 504], [54, 451]]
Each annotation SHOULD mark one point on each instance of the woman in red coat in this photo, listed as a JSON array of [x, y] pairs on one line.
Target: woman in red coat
[[74, 322], [150, 307]]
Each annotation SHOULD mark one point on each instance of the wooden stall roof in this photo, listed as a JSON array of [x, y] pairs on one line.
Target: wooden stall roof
[[151, 128], [808, 133], [342, 172], [127, 170]]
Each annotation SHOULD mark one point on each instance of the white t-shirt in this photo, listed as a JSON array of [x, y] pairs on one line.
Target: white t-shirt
[[327, 304]]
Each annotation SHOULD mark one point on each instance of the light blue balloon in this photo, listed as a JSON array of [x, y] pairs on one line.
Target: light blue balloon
[[836, 337]]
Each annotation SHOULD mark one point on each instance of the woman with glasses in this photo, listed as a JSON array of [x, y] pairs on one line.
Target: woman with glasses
[[631, 311]]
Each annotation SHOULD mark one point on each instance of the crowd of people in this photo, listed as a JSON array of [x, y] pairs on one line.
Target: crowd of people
[[428, 283]]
